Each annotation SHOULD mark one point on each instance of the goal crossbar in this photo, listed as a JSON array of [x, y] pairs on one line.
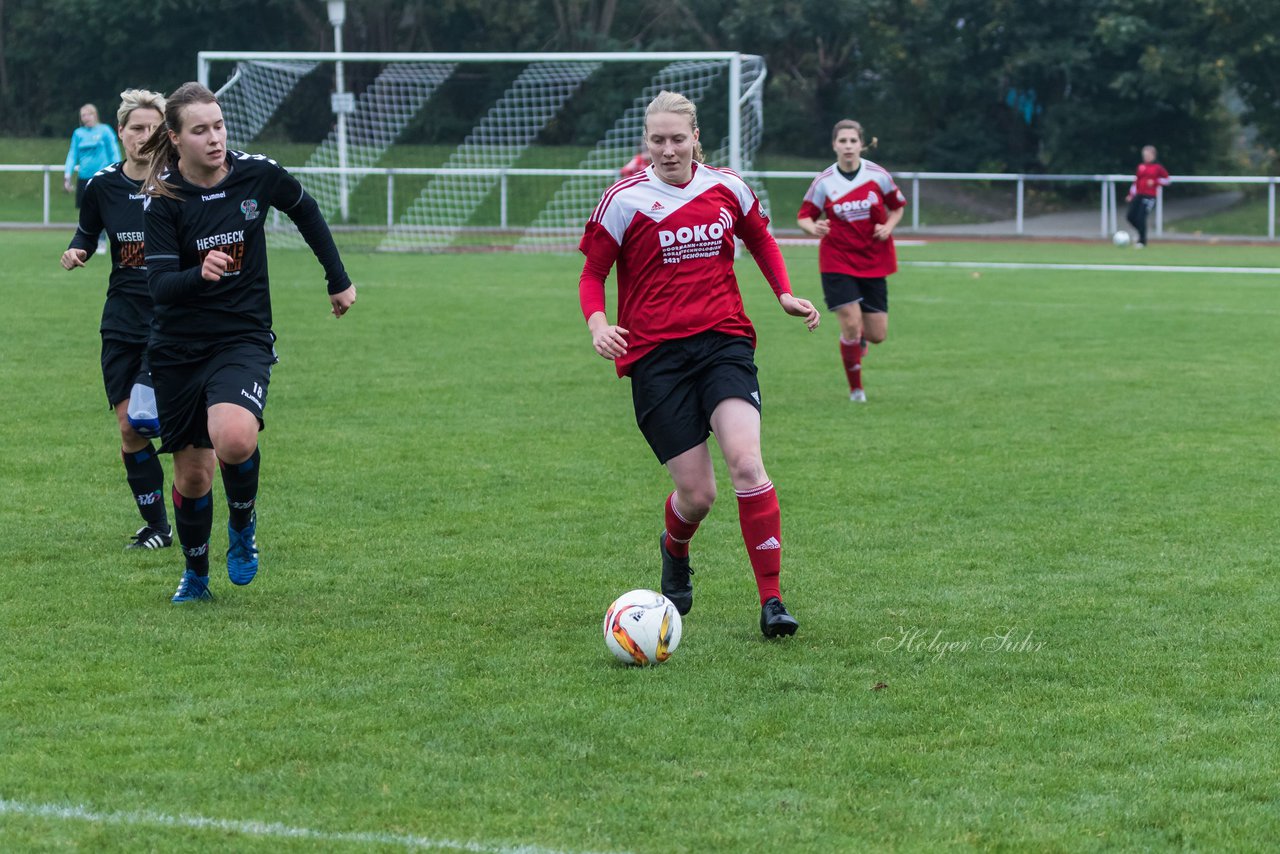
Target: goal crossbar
[[394, 106]]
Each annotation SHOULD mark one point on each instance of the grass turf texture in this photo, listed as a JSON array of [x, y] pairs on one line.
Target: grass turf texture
[[454, 489]]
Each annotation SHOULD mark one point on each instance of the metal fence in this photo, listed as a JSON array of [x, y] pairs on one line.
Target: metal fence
[[402, 182]]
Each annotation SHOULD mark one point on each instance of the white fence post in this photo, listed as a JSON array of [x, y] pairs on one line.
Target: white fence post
[[391, 199], [915, 203], [1106, 220], [1271, 209], [502, 200], [1022, 186]]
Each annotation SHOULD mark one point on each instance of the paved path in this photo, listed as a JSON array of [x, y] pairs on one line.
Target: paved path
[[1084, 223]]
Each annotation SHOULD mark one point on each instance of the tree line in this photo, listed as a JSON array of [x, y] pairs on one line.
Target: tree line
[[990, 85]]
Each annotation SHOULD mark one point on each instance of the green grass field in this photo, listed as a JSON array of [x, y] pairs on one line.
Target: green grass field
[[1036, 577], [1249, 218]]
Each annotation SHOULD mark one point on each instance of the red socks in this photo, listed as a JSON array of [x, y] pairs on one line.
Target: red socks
[[679, 531], [761, 522], [851, 355]]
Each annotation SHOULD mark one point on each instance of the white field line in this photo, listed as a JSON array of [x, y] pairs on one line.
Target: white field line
[[271, 830], [1087, 306], [813, 241], [1136, 268]]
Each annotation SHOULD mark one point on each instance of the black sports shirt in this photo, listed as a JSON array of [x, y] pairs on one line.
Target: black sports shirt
[[229, 217], [113, 201]]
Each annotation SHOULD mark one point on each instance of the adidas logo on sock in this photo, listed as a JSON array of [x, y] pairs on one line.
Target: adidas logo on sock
[[771, 543]]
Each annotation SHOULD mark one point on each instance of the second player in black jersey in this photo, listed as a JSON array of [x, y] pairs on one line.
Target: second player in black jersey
[[113, 201], [211, 342]]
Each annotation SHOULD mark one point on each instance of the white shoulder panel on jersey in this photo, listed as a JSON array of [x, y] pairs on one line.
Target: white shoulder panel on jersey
[[619, 204], [740, 188], [881, 176], [817, 194]]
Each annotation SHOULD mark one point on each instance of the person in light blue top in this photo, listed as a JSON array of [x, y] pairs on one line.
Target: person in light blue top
[[93, 147]]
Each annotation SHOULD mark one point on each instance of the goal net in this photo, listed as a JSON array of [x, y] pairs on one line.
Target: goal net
[[446, 152]]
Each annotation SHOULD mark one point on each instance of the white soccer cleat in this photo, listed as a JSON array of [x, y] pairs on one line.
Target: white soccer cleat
[[858, 396]]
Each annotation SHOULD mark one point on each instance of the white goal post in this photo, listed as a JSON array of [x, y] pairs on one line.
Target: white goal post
[[440, 151]]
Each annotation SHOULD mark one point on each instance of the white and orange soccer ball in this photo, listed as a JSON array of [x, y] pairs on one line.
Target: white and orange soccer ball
[[642, 627]]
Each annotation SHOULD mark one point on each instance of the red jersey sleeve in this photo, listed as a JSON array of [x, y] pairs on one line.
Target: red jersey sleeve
[[814, 199], [601, 251], [754, 231]]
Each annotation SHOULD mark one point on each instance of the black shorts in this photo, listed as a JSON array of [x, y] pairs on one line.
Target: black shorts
[[122, 362], [190, 378], [841, 289], [677, 387]]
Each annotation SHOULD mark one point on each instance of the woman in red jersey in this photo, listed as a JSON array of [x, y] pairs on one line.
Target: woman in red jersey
[[1150, 177], [853, 206], [686, 342]]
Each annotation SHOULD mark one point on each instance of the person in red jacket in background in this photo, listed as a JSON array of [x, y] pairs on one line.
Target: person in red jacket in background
[[635, 164], [1146, 186]]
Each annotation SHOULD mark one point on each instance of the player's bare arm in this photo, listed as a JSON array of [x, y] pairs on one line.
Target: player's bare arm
[[884, 229], [609, 341], [73, 258], [797, 307], [812, 227], [342, 301], [215, 264]]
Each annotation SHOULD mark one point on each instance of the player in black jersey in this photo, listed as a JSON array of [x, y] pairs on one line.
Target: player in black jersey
[[113, 200], [211, 342]]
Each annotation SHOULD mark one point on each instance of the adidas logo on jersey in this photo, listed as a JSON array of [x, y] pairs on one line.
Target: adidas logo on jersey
[[657, 206], [769, 544]]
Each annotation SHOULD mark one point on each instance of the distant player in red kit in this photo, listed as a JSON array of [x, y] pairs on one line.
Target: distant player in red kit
[[853, 205], [1142, 193], [685, 340], [636, 164]]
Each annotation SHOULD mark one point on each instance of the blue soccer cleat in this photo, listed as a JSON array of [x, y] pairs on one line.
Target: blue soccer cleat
[[192, 588], [242, 552]]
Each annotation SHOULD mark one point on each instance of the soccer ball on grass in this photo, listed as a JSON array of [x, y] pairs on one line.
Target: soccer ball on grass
[[642, 627], [1120, 238]]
